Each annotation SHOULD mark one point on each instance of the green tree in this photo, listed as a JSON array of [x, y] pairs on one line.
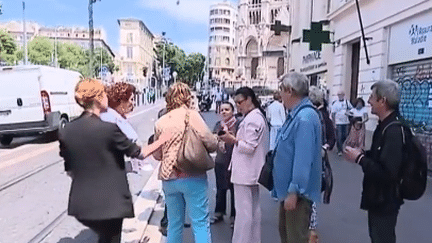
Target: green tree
[[70, 56], [40, 51], [194, 66], [102, 57], [7, 48]]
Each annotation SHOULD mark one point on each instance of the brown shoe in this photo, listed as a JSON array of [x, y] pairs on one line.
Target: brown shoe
[[313, 236]]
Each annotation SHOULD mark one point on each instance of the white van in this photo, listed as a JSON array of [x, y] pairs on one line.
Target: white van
[[36, 100]]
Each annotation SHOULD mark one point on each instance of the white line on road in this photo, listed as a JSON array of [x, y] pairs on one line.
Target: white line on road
[[6, 152], [143, 111], [26, 156]]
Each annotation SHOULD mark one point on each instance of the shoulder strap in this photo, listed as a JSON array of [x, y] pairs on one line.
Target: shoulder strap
[[394, 123], [292, 118]]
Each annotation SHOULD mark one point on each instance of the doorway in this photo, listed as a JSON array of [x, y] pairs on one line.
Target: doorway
[[355, 65], [254, 66]]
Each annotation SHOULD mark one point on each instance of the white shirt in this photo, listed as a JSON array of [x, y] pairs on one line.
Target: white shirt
[[339, 108], [276, 113], [113, 116], [359, 113]]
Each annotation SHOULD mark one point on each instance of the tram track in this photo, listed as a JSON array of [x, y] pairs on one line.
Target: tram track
[[24, 176]]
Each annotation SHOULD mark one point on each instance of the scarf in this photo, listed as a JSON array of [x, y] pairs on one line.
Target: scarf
[[229, 123]]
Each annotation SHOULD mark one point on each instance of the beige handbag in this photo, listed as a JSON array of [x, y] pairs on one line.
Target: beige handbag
[[193, 156]]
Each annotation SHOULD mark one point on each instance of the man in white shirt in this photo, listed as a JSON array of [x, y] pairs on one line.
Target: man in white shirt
[[339, 109], [276, 116], [218, 99]]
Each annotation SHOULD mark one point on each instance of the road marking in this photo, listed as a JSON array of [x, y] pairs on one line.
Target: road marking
[[26, 156], [143, 111], [9, 151]]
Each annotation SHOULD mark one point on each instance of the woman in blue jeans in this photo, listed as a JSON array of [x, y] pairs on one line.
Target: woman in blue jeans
[[183, 190]]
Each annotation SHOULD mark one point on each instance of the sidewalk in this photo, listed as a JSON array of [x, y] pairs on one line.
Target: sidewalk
[[341, 221]]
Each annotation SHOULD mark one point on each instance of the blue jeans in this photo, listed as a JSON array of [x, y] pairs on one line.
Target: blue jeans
[[341, 134], [190, 192]]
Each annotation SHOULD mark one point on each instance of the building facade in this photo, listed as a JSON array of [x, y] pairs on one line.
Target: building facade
[[76, 35], [262, 56], [221, 51], [136, 54], [399, 43], [315, 64]]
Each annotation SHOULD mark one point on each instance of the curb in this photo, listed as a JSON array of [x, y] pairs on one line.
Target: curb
[[135, 228]]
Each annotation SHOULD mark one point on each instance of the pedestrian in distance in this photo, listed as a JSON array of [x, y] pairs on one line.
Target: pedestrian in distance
[[223, 158], [358, 117], [328, 140], [382, 164], [218, 99], [276, 116], [183, 189], [251, 144], [297, 160], [93, 152], [339, 109]]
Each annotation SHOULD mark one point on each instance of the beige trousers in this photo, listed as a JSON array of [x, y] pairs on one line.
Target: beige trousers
[[247, 225]]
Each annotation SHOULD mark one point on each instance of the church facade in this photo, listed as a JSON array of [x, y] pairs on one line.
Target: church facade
[[261, 56]]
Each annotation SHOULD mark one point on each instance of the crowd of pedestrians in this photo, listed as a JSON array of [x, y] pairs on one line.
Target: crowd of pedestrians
[[298, 127]]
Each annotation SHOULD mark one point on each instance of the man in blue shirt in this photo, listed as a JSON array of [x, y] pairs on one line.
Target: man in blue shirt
[[297, 162]]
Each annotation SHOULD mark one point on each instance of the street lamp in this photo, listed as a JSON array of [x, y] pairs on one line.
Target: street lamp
[[91, 33], [174, 76]]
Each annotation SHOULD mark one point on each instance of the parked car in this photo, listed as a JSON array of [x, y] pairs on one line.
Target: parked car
[[36, 100]]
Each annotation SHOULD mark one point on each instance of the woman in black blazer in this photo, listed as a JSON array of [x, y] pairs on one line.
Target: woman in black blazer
[[94, 151]]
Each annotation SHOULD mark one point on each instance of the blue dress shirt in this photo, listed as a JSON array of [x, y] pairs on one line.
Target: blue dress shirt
[[297, 162]]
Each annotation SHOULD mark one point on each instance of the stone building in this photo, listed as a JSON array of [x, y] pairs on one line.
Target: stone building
[[261, 55], [398, 39], [76, 35], [221, 51], [136, 54]]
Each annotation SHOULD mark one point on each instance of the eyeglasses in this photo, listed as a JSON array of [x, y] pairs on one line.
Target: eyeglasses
[[239, 102]]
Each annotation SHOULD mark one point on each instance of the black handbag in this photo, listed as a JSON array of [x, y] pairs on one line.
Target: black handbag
[[266, 175]]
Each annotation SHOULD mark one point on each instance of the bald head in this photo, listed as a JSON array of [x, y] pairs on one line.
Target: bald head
[[341, 95]]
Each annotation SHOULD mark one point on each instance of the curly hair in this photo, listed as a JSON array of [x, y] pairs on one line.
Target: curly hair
[[118, 92], [178, 94], [87, 90]]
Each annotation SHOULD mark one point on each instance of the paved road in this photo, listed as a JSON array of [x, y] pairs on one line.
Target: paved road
[[29, 206], [339, 222]]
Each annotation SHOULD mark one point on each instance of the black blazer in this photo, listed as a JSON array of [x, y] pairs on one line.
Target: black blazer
[[94, 151]]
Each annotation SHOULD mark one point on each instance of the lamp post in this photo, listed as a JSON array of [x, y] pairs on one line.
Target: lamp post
[[163, 59], [175, 76], [91, 34]]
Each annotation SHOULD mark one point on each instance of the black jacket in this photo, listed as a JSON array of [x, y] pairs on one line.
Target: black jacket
[[330, 137], [94, 151], [381, 167]]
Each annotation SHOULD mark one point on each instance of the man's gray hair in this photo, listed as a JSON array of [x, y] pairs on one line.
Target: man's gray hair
[[298, 82], [316, 95], [388, 89]]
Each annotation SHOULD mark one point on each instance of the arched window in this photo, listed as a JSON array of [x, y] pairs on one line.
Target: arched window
[[227, 61]]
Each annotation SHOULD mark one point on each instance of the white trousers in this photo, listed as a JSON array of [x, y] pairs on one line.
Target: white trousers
[[247, 225]]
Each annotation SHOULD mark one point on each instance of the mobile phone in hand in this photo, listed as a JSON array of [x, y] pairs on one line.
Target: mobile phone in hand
[[221, 132]]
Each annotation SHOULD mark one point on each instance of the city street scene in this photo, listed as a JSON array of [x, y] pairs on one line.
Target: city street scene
[[243, 121]]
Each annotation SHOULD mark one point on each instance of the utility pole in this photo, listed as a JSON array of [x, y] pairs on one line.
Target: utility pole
[[91, 34], [25, 36]]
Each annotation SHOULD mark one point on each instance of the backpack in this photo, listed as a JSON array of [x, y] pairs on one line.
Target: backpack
[[413, 173]]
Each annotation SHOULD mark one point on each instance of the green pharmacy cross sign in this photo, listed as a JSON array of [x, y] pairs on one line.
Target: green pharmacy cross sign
[[316, 36], [278, 27]]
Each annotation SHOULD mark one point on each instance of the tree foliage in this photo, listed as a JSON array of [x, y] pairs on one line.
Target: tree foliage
[[40, 51], [8, 48], [189, 68]]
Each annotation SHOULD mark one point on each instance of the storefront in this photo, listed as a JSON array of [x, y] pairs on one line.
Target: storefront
[[314, 65], [410, 64]]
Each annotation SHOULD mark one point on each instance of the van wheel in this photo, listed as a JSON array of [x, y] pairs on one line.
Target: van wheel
[[6, 139], [62, 123]]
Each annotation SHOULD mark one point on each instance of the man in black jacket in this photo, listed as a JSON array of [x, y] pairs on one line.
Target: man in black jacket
[[382, 164]]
